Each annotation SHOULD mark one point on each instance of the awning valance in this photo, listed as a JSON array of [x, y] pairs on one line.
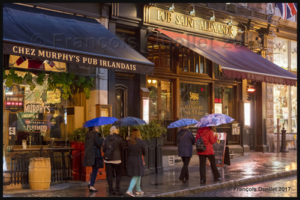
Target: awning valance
[[44, 34], [236, 61]]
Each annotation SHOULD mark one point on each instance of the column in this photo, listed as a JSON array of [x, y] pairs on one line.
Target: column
[[100, 94]]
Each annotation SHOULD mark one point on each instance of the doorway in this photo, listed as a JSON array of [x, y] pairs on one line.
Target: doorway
[[121, 95]]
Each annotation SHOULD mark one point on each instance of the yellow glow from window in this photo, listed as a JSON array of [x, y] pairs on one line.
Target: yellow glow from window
[[247, 114]]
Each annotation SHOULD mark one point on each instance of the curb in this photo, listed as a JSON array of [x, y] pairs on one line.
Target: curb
[[227, 184], [54, 188]]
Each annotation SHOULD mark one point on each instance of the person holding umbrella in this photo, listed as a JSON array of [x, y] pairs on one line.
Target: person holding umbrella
[[206, 133], [112, 148], [92, 154], [135, 164], [209, 139], [92, 147], [185, 141]]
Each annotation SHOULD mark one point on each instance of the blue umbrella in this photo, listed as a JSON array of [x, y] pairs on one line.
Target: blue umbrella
[[182, 122], [99, 121], [214, 119], [130, 121]]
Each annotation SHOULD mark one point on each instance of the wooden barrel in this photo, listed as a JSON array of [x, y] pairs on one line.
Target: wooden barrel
[[39, 173]]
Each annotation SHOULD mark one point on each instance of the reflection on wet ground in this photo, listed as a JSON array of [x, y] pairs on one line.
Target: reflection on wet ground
[[286, 187], [247, 166]]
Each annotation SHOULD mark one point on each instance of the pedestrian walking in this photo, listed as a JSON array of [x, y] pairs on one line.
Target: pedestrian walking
[[209, 139], [112, 149], [135, 163], [185, 141], [92, 154]]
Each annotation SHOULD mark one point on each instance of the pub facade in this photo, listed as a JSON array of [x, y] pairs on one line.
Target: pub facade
[[56, 69], [158, 61], [209, 58]]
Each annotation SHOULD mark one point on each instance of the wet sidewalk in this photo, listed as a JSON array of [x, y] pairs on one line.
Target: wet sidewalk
[[250, 168]]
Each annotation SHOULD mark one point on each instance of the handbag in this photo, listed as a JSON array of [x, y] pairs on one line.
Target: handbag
[[200, 146]]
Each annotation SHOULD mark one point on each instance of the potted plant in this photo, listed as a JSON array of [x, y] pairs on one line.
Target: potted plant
[[77, 138], [152, 133]]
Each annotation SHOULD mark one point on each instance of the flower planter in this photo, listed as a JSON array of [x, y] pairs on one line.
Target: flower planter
[[79, 172]]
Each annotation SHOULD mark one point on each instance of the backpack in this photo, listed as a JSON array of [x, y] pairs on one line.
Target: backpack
[[109, 148], [200, 146]]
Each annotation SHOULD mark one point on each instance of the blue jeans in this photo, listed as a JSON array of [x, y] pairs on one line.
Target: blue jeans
[[135, 181], [93, 175]]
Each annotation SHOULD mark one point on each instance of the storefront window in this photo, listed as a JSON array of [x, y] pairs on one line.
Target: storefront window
[[33, 115], [161, 101], [159, 54], [280, 52], [294, 56], [224, 100], [217, 70], [294, 109], [281, 109], [192, 62], [194, 100]]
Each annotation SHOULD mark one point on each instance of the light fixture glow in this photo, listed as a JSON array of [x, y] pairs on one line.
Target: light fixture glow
[[251, 89], [193, 12], [171, 9], [247, 114], [213, 18]]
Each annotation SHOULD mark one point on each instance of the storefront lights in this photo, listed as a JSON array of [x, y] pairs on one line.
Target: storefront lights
[[251, 90], [247, 114], [152, 81]]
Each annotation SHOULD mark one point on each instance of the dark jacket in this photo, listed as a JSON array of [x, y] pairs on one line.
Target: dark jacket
[[185, 141], [135, 165], [208, 138], [92, 150], [119, 144]]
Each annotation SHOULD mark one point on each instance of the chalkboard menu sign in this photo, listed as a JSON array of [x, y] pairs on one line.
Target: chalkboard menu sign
[[219, 149]]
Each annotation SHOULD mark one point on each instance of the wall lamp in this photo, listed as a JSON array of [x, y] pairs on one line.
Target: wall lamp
[[152, 81], [172, 8], [229, 23], [193, 12], [213, 18], [251, 89]]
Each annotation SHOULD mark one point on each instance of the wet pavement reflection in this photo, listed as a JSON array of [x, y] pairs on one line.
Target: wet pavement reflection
[[286, 187], [254, 164]]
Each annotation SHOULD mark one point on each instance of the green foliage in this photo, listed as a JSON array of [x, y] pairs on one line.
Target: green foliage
[[67, 83], [12, 78], [70, 84], [40, 78], [104, 130], [28, 80], [78, 135], [152, 130]]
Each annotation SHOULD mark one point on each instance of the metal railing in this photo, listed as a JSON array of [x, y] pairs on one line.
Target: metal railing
[[60, 158]]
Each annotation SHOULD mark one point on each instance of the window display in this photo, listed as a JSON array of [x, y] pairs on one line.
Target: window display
[[194, 100], [160, 98], [281, 105], [224, 100], [280, 52], [34, 113], [293, 56]]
